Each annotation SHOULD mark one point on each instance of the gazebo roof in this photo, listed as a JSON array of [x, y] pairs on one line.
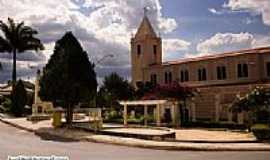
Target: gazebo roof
[[143, 102]]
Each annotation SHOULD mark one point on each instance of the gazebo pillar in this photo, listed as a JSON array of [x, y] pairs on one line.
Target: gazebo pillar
[[230, 117], [125, 115], [158, 115], [145, 115], [173, 113], [217, 107], [193, 109], [177, 114], [240, 118]]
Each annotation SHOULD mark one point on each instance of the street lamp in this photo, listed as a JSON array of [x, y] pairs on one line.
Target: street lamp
[[98, 62], [104, 57]]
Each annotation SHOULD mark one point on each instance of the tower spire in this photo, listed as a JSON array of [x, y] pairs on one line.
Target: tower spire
[[145, 26], [145, 10]]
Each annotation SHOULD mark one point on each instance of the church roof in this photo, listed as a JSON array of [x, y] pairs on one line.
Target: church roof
[[145, 29], [220, 55], [260, 50]]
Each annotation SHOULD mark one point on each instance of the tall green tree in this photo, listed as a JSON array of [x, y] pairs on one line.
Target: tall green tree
[[18, 38], [19, 99], [114, 88], [143, 88], [69, 77]]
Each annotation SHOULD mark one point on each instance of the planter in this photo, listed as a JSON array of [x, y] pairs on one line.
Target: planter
[[261, 131]]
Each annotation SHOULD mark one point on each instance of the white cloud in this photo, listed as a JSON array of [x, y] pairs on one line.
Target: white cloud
[[129, 13], [261, 41], [214, 11], [173, 45], [174, 48], [102, 26], [222, 42], [255, 6]]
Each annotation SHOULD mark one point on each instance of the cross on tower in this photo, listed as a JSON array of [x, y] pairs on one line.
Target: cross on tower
[[145, 10]]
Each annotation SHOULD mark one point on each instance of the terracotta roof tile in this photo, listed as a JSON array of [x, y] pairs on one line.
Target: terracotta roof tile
[[220, 55]]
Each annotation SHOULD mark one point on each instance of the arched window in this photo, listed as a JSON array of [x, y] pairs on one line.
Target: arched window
[[245, 70], [153, 79], [155, 49], [268, 69], [221, 73], [242, 70], [202, 74], [168, 77], [139, 50], [184, 75]]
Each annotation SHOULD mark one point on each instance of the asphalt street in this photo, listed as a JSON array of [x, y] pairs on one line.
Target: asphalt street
[[14, 142]]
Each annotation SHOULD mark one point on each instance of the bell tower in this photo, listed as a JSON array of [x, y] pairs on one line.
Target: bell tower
[[146, 50]]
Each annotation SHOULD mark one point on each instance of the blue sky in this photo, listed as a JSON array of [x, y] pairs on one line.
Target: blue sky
[[197, 22], [188, 27], [194, 18]]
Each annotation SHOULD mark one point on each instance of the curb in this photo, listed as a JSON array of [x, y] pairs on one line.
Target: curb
[[17, 126], [216, 141], [173, 148], [162, 139], [140, 145]]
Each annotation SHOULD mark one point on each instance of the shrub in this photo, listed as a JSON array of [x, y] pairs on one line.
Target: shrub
[[19, 99], [135, 120], [261, 131], [6, 104], [150, 118], [262, 117], [256, 103], [113, 116]]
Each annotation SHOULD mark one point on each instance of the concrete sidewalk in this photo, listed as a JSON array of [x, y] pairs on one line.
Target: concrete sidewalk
[[213, 135], [44, 129]]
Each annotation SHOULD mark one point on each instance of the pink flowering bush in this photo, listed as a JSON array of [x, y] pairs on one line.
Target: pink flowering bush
[[173, 90]]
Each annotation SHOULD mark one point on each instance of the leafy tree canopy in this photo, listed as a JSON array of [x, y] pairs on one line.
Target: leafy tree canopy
[[69, 76], [257, 99], [18, 38], [115, 88], [143, 88]]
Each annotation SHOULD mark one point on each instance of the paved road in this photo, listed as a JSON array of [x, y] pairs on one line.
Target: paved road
[[15, 142]]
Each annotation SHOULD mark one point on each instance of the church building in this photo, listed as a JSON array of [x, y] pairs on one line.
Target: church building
[[218, 77]]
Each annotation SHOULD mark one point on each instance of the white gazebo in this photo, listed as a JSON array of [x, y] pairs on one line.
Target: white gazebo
[[145, 103]]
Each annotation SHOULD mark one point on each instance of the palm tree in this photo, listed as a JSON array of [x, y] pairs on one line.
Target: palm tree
[[17, 38]]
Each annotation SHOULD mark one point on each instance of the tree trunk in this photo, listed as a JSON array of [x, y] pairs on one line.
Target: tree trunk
[[14, 77], [69, 115], [184, 111]]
